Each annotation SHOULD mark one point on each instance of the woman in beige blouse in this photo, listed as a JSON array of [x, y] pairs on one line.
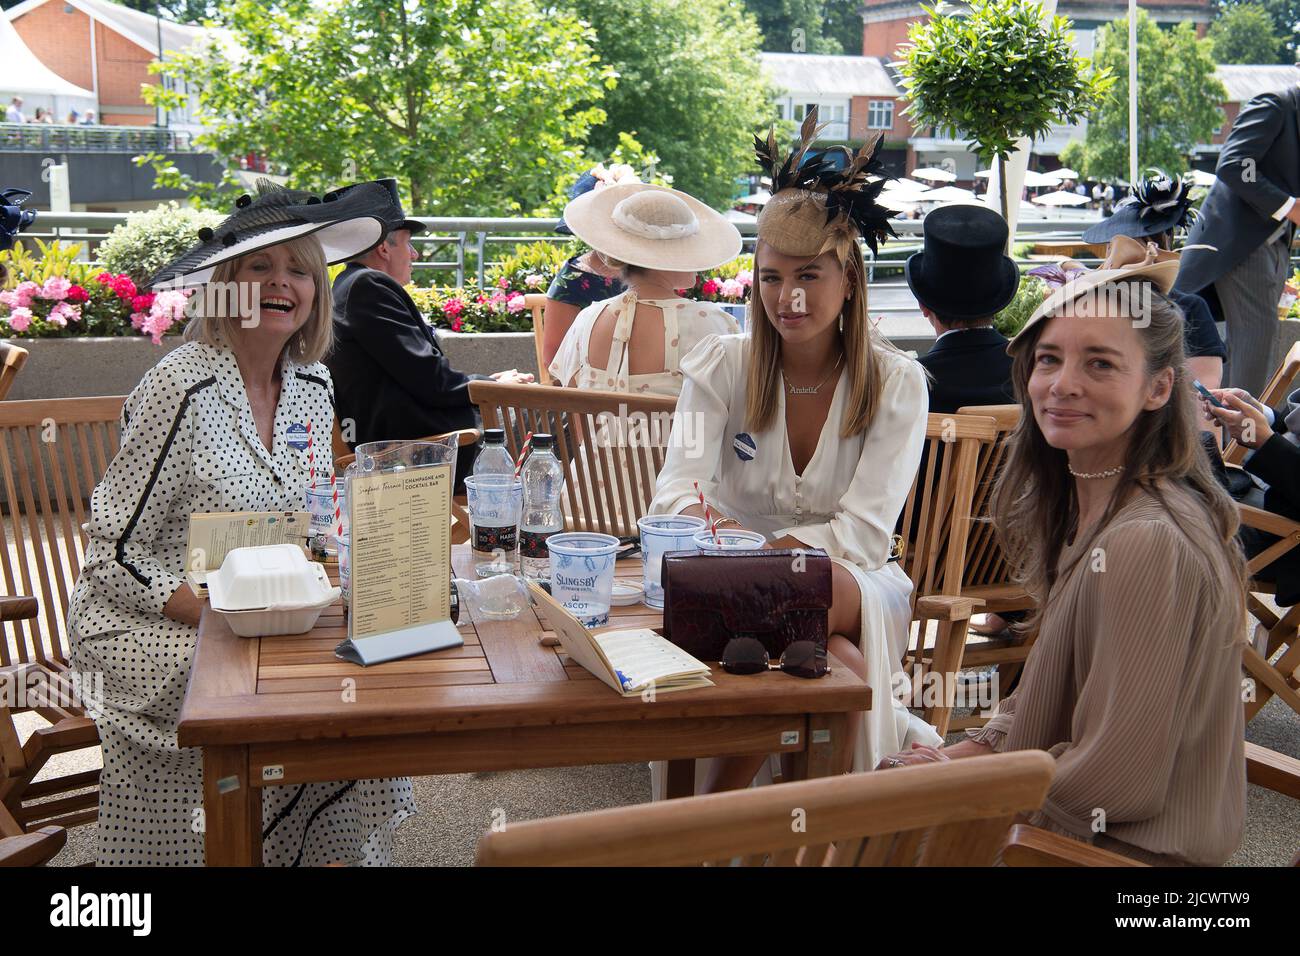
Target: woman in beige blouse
[[1126, 542]]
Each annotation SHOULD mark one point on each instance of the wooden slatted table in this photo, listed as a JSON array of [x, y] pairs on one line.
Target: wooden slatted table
[[284, 710]]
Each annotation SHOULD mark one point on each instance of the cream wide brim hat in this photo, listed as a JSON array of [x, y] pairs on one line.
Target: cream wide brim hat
[[653, 227], [1161, 271]]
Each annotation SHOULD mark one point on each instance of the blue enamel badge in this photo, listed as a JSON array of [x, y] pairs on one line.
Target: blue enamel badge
[[296, 436], [745, 447]]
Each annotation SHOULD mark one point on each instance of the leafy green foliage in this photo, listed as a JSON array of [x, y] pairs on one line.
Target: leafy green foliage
[[480, 108], [531, 266], [1178, 99], [689, 86], [1001, 73], [1029, 296], [149, 240], [1285, 16], [800, 26], [1244, 33]]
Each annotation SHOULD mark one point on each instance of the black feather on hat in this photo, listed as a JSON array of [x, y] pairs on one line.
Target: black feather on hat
[[1158, 204], [345, 225]]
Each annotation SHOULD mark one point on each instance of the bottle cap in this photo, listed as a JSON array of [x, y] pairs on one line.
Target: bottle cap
[[543, 440], [494, 436]]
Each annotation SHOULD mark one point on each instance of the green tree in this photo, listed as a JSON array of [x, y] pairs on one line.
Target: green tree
[[997, 74], [689, 86], [1244, 34], [1285, 15], [1178, 99], [843, 23], [481, 108], [799, 26]]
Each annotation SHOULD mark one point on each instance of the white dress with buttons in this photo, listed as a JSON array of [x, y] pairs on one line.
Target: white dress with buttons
[[847, 501], [686, 324], [190, 443]]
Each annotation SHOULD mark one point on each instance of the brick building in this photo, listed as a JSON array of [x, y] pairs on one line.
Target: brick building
[[106, 48]]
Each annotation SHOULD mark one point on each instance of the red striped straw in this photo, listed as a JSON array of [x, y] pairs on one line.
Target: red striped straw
[[708, 515], [523, 453]]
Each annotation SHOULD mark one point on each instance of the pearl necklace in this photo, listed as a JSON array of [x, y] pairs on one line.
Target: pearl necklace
[[1108, 473], [812, 389]]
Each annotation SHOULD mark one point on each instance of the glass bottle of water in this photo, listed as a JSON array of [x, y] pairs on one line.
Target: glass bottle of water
[[543, 480]]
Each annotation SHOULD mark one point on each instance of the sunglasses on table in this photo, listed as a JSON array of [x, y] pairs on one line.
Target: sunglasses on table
[[747, 655]]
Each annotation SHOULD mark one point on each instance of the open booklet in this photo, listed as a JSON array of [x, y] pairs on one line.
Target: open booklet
[[214, 534], [630, 660]]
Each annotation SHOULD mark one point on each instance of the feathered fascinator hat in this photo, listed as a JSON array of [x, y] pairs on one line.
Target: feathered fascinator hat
[[819, 204], [1158, 203], [345, 223]]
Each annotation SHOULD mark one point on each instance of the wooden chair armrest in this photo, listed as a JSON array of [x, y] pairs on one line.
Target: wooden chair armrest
[[1034, 846], [18, 608], [1272, 770], [943, 607], [32, 849], [1262, 520]]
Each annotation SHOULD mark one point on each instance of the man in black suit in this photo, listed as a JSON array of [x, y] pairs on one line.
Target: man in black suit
[[1249, 217], [391, 378], [962, 279]]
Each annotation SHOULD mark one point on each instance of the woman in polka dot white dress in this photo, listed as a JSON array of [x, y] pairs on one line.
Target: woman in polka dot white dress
[[216, 426]]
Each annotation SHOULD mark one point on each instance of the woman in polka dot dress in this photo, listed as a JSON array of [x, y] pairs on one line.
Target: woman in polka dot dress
[[215, 426], [659, 239]]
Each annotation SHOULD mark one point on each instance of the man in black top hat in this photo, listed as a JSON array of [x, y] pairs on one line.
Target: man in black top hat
[[391, 378], [962, 279]]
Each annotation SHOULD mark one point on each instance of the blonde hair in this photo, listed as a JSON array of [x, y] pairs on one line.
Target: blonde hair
[[310, 343], [863, 354]]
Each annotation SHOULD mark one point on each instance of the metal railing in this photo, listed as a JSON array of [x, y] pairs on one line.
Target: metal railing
[[43, 137], [455, 248]]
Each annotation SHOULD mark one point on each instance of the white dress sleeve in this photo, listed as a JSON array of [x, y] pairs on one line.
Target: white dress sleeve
[[862, 530], [706, 396], [568, 361]]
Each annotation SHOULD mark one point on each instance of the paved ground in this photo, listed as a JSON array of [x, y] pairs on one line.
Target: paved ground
[[455, 810]]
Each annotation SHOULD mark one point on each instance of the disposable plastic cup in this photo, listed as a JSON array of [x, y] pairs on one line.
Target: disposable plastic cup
[[660, 533], [582, 574], [495, 503], [325, 500], [733, 539]]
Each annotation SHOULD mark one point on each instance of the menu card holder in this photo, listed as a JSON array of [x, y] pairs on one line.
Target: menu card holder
[[401, 564]]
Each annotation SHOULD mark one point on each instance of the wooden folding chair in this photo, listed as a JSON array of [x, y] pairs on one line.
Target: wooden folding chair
[[535, 302], [12, 359], [1279, 386], [20, 848], [1271, 677], [52, 454], [948, 814], [459, 509], [612, 445], [1031, 846], [937, 524]]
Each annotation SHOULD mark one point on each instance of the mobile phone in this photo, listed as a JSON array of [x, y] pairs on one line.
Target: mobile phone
[[1207, 394]]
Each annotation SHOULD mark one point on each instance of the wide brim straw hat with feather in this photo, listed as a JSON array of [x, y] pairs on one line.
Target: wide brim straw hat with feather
[[818, 204], [1159, 204], [346, 226], [653, 227]]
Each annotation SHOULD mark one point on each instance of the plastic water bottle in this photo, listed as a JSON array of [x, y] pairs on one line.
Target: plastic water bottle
[[543, 480], [493, 459]]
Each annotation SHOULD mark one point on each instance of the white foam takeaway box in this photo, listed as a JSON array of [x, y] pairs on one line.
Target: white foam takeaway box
[[269, 590]]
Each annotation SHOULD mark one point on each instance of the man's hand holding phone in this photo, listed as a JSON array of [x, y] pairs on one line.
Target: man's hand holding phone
[[1243, 416]]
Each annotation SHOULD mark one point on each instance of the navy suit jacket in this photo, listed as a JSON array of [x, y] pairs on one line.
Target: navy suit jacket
[[969, 367]]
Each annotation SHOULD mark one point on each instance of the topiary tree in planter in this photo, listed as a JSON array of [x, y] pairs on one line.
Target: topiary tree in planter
[[996, 74], [149, 240]]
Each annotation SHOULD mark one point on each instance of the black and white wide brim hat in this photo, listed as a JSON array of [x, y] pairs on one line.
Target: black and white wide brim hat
[[345, 225]]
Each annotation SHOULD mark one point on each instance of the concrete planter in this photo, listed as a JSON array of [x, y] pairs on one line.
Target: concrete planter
[[79, 367]]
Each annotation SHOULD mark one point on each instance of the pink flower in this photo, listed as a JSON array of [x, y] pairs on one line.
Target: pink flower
[[56, 288], [453, 307], [105, 278], [168, 305], [142, 303], [26, 291], [732, 289], [78, 294], [503, 283], [710, 287], [9, 298], [534, 281], [63, 313], [124, 288], [515, 303], [457, 324], [20, 318], [138, 319], [745, 277], [482, 299], [497, 298]]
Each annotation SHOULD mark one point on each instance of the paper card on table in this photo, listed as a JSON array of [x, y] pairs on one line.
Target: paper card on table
[[630, 660], [214, 534], [401, 565]]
